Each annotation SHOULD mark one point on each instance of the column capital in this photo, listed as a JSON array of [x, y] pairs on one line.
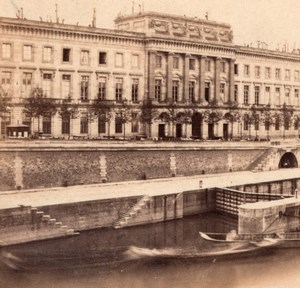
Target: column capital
[[219, 58]]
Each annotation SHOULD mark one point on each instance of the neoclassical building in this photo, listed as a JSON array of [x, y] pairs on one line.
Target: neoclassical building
[[185, 66]]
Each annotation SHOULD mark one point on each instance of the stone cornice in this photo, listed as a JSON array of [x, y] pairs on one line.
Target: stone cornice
[[63, 31], [164, 43], [269, 54]]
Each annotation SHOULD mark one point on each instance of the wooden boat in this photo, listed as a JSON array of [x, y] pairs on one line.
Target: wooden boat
[[242, 249], [285, 240]]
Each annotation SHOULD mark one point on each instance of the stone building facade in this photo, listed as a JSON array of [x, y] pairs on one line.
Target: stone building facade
[[186, 66]]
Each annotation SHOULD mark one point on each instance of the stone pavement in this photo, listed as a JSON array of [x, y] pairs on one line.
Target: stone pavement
[[72, 194]]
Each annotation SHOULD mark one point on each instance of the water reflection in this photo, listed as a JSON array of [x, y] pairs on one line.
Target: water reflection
[[98, 259]]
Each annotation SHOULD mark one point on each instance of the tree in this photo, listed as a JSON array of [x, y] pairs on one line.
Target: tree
[[233, 115], [185, 117], [212, 116], [171, 108], [297, 123], [38, 105], [123, 114], [267, 118], [254, 118], [68, 111], [5, 105], [148, 113], [287, 116], [103, 109]]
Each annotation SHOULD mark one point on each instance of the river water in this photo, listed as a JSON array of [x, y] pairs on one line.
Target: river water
[[103, 258]]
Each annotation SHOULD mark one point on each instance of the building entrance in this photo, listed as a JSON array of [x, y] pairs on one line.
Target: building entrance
[[197, 126], [161, 130]]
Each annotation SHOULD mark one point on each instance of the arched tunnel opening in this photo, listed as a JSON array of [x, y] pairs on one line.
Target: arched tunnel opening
[[288, 160]]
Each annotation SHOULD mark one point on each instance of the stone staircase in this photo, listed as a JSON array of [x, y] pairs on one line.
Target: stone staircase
[[40, 226], [130, 216], [266, 162]]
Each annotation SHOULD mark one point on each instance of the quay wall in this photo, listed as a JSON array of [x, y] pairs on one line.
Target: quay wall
[[45, 167], [27, 224]]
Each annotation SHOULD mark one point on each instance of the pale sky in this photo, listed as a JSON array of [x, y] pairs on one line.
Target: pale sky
[[272, 21]]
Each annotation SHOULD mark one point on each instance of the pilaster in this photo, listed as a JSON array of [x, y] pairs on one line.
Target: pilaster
[[151, 81], [217, 79], [231, 80], [169, 76], [202, 79], [185, 95]]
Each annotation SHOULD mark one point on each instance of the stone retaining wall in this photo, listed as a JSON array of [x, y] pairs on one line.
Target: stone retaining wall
[[36, 168]]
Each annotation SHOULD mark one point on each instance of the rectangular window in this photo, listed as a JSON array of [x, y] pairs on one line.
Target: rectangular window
[[296, 75], [102, 58], [191, 91], [287, 74], [27, 53], [66, 86], [6, 81], [101, 124], [119, 89], [207, 65], [268, 95], [268, 73], [236, 69], [27, 84], [158, 90], [66, 55], [84, 88], [175, 62], [65, 125], [192, 64], [47, 84], [277, 96], [246, 70], [134, 123], [223, 67], [257, 71], [135, 61], [175, 88], [47, 125], [84, 57], [246, 124], [296, 97], [236, 93], [135, 90], [102, 88], [158, 61], [246, 94], [277, 123], [256, 95], [6, 51], [287, 96], [222, 89], [47, 54], [119, 60], [84, 125], [277, 74], [118, 124]]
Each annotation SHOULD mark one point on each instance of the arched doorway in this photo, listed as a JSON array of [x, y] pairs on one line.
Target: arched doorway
[[197, 126], [288, 160]]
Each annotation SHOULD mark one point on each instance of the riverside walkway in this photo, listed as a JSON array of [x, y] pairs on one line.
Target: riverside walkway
[[73, 194]]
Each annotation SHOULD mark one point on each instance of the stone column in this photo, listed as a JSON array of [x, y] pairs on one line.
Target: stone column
[[151, 75], [169, 76], [186, 77], [231, 81], [202, 79], [217, 79]]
